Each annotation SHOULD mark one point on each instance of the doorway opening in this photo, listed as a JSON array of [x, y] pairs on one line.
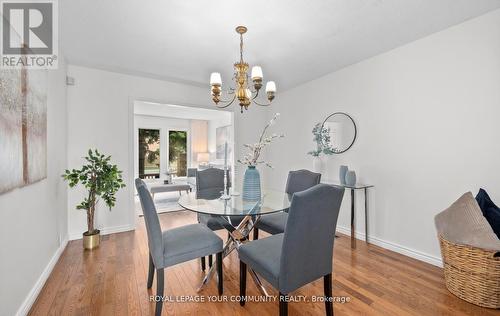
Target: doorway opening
[[172, 142]]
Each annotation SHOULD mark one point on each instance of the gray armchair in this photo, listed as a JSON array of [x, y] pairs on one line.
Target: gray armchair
[[191, 172], [170, 247], [297, 181], [303, 253], [191, 177]]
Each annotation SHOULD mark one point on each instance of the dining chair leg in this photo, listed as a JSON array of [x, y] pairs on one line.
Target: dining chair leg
[[151, 272], [243, 282], [202, 263], [210, 261], [160, 285], [328, 294], [255, 233], [283, 304], [218, 261]]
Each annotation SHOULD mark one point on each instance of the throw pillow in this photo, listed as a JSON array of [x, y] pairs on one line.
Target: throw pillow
[[490, 211]]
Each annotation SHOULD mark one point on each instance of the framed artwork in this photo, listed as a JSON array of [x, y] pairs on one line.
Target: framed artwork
[[222, 135], [23, 127]]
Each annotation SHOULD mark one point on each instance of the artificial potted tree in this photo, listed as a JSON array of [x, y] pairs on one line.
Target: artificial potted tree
[[102, 180]]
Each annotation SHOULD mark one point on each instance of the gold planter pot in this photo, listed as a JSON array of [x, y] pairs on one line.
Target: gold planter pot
[[91, 241]]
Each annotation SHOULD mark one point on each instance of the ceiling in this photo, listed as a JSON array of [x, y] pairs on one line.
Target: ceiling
[[294, 41]]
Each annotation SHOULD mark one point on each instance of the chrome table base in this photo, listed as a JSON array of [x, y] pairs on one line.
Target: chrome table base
[[237, 236]]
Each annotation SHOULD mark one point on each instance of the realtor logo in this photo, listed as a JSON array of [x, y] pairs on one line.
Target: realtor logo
[[29, 34]]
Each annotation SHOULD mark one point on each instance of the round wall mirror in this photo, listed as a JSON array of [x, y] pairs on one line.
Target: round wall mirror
[[341, 129]]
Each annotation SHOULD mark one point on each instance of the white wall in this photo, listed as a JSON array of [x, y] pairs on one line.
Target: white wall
[[199, 140], [100, 115], [427, 115], [33, 229]]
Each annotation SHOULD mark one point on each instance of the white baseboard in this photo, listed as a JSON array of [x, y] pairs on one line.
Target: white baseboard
[[35, 291], [105, 231], [412, 253]]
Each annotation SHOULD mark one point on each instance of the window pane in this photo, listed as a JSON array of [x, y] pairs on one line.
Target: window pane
[[177, 152], [149, 153]]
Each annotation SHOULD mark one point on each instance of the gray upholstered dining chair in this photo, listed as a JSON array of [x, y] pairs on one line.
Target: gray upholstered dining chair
[[174, 246], [297, 181], [209, 186], [303, 253], [210, 183]]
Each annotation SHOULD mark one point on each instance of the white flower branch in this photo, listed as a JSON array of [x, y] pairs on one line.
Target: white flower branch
[[252, 157]]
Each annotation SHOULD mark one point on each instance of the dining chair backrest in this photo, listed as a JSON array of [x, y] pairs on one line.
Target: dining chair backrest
[[307, 248], [300, 180], [210, 183], [153, 227]]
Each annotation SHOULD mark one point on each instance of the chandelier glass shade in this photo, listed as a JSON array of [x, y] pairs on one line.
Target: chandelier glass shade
[[245, 92]]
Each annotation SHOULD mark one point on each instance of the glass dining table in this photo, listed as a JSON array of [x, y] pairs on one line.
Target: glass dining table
[[238, 216]]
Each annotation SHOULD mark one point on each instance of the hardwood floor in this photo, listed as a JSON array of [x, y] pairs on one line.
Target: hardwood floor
[[111, 280]]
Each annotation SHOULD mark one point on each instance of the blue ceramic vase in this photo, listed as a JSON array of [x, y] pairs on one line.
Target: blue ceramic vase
[[251, 184], [350, 178], [342, 173]]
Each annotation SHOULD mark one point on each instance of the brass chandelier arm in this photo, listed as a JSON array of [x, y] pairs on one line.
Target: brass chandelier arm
[[260, 104], [229, 92], [255, 97], [256, 94], [225, 106]]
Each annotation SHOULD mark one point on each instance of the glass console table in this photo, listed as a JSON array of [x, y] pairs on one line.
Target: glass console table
[[357, 187]]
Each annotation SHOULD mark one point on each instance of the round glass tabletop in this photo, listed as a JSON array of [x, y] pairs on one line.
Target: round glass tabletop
[[272, 201]]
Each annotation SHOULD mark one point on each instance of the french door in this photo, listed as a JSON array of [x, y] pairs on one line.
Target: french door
[[177, 152]]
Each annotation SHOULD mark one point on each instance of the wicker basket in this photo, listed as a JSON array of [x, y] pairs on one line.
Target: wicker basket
[[472, 274]]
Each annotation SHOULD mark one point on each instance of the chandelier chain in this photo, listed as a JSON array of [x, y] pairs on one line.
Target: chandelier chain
[[241, 48]]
